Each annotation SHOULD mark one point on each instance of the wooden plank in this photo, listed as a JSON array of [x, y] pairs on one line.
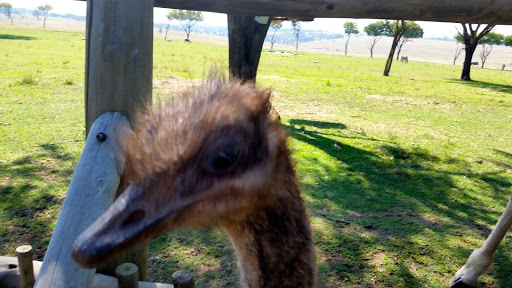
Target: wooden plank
[[10, 274], [465, 11], [119, 57], [92, 189]]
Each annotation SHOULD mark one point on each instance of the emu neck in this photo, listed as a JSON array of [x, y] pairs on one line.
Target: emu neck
[[274, 245]]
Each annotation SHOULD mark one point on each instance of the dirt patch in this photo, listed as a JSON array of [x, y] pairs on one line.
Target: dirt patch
[[173, 86]]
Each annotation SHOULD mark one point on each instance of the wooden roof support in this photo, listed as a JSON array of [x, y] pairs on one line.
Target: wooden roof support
[[463, 11], [246, 37]]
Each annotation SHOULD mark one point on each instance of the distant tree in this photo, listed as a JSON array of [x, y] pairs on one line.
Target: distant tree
[[276, 25], [486, 44], [458, 50], [187, 19], [399, 28], [470, 37], [413, 31], [350, 29], [36, 13], [45, 9], [508, 40], [375, 31], [296, 29], [7, 10]]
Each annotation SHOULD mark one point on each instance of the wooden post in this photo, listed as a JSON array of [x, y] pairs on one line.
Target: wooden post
[[183, 279], [246, 37], [127, 275], [119, 57], [92, 189], [24, 254], [119, 75]]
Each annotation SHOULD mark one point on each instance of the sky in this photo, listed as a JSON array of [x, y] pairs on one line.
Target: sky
[[431, 29]]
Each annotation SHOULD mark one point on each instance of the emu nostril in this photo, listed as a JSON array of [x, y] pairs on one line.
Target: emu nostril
[[134, 217]]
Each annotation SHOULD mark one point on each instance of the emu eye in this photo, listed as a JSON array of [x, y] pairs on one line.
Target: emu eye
[[223, 156]]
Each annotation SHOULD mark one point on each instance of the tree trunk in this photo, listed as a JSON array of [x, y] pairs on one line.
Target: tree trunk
[[246, 37], [390, 56], [467, 63], [371, 53], [346, 45]]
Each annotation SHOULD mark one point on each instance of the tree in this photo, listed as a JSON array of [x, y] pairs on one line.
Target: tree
[[36, 13], [296, 29], [45, 9], [508, 40], [470, 37], [7, 10], [187, 19], [276, 25], [350, 29], [413, 31], [399, 28], [487, 43], [458, 50], [375, 31]]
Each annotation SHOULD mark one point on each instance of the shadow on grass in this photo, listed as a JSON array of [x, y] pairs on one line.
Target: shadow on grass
[[32, 189], [487, 85], [16, 37], [394, 194]]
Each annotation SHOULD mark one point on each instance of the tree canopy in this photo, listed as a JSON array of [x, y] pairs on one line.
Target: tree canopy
[[350, 28], [379, 28], [492, 38], [508, 40]]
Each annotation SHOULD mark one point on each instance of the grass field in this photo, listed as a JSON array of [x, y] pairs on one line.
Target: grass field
[[419, 163]]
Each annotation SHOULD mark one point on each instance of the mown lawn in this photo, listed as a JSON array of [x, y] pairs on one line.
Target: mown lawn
[[419, 163]]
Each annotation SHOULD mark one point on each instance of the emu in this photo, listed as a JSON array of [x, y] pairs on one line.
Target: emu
[[214, 156], [404, 59]]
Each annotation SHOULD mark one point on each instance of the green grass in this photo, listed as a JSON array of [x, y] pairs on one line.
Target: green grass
[[419, 163]]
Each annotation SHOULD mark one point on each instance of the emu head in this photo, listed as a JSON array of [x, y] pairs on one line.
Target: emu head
[[206, 158]]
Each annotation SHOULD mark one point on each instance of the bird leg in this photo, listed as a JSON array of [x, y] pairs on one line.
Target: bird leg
[[480, 260]]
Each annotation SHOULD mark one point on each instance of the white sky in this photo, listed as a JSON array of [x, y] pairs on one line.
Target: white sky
[[431, 29]]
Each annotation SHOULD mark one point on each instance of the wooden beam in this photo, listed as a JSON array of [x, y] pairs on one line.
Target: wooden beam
[[119, 57], [92, 189], [463, 11], [246, 37]]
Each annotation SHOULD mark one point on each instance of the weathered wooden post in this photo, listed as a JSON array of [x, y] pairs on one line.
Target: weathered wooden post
[[246, 37], [127, 275], [119, 75], [183, 279], [92, 189], [119, 57], [24, 254]]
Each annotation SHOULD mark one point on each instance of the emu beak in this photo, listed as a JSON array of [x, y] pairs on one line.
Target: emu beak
[[136, 215]]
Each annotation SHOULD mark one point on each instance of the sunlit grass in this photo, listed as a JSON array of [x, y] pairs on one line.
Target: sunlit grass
[[418, 163]]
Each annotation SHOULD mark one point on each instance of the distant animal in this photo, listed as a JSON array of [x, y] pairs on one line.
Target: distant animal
[[188, 40], [214, 156], [481, 259], [404, 59], [503, 66], [474, 63]]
